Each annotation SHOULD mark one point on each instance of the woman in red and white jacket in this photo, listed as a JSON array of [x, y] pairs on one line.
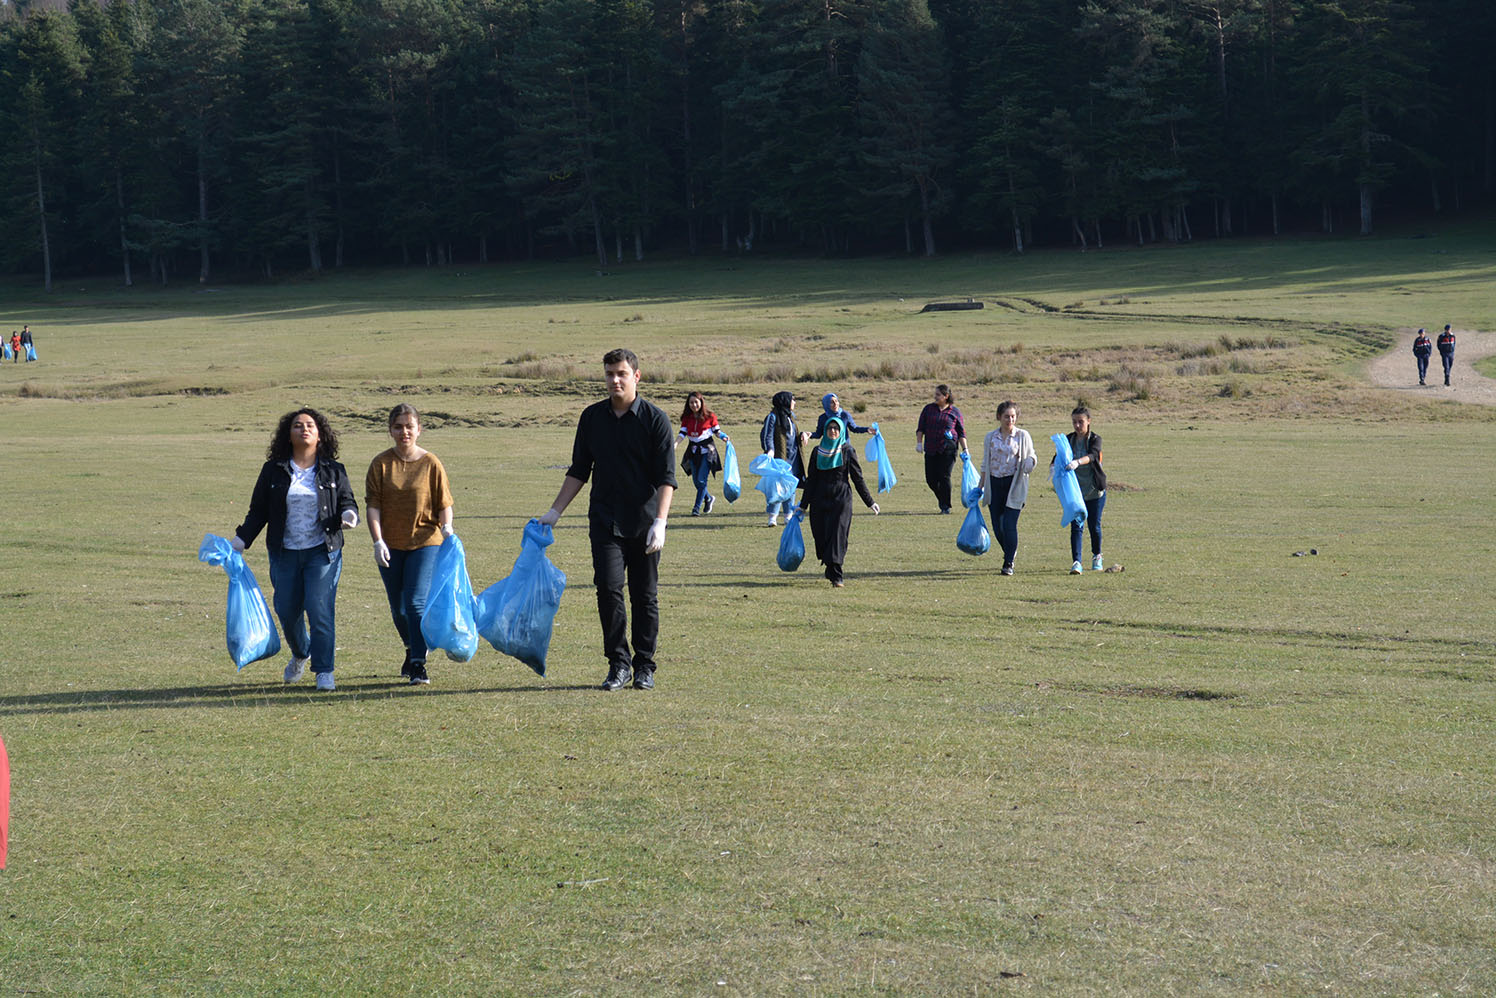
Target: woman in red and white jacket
[[698, 425]]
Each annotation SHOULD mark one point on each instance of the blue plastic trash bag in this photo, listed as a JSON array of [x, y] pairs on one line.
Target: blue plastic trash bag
[[791, 544], [31, 351], [971, 482], [973, 537], [776, 480], [877, 452], [732, 480], [249, 628], [515, 614], [5, 346], [447, 622], [1072, 506]]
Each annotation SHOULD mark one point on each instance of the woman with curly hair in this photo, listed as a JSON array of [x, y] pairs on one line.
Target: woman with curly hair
[[303, 496]]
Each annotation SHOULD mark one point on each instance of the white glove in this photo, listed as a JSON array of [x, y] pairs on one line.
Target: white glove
[[1071, 465], [875, 509], [350, 518], [446, 530], [549, 517], [655, 539], [382, 554], [236, 544], [919, 447]]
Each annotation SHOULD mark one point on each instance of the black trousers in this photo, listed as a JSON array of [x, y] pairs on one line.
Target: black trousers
[[938, 475], [616, 560]]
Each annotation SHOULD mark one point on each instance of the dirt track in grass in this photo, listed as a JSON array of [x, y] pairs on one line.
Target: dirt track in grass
[[1397, 369]]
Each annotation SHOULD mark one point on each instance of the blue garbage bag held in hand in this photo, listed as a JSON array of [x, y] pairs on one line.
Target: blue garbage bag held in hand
[[971, 482], [249, 628], [515, 614], [732, 480], [791, 544], [31, 351], [973, 537], [447, 622], [777, 479], [5, 347], [877, 452], [1072, 506]]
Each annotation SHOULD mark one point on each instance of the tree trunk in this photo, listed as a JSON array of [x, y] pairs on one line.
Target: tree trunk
[[1079, 232], [124, 244], [313, 248], [483, 248], [1365, 209], [202, 211], [726, 237], [1096, 224], [337, 194], [1017, 231], [926, 221], [597, 233], [638, 243], [1273, 200], [41, 212]]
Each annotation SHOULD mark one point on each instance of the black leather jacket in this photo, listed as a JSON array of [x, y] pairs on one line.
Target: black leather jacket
[[267, 504]]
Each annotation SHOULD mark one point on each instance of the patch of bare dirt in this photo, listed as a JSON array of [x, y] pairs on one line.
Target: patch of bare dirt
[[1398, 370]]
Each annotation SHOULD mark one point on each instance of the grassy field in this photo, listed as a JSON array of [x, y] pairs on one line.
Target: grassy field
[[1224, 770]]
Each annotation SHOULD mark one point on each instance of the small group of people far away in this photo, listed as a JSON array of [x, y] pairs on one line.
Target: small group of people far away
[[625, 446], [1423, 348], [19, 346]]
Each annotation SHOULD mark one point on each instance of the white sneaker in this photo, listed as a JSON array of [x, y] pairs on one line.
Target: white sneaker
[[1075, 568], [773, 521], [296, 669], [324, 681], [1098, 563]]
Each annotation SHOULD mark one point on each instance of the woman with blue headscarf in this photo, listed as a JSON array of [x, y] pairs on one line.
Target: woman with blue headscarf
[[832, 409], [826, 496]]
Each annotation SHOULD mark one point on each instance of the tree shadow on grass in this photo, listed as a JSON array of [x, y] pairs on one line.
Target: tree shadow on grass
[[242, 695]]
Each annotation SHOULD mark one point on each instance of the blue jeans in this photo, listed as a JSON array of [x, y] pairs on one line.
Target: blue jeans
[[1093, 524], [701, 476], [306, 596], [407, 583], [1004, 519]]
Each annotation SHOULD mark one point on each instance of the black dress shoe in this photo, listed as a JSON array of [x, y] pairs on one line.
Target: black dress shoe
[[617, 680], [644, 679]]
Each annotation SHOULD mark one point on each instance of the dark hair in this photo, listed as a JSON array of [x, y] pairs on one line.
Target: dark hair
[[1004, 406], [403, 409], [280, 444], [1081, 410], [946, 391], [705, 412], [621, 354]]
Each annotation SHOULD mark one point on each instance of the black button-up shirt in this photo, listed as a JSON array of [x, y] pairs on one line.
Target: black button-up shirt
[[632, 456]]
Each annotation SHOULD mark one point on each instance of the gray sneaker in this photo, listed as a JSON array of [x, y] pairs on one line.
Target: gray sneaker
[[325, 683], [296, 669], [1098, 563]]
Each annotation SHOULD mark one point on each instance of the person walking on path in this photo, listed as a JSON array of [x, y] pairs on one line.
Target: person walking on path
[[1423, 348], [1007, 459], [304, 498], [408, 501], [827, 498], [780, 438], [626, 446], [698, 425], [1446, 351], [940, 435]]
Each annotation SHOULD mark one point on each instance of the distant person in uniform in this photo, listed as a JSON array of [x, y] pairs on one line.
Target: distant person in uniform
[[1446, 350], [1423, 348]]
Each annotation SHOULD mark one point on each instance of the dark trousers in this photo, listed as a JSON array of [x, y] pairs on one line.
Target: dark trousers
[[616, 560], [1448, 359], [938, 476], [1093, 524], [1004, 519], [1422, 366]]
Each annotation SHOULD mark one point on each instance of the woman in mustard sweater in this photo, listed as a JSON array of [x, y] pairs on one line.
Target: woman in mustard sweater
[[408, 503]]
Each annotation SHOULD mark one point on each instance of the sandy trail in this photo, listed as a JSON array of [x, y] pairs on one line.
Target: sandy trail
[[1399, 371]]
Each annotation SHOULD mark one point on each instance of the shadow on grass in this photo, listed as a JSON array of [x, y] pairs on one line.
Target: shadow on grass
[[241, 695]]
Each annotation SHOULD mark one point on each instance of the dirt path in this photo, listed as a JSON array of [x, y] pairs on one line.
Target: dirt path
[[1399, 371]]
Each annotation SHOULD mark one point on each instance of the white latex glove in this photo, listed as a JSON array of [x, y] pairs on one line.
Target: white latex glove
[[655, 539], [875, 509], [549, 517], [919, 447], [382, 554], [1071, 465], [350, 518], [236, 544], [446, 530]]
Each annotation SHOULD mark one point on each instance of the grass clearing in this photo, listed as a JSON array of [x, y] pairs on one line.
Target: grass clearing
[[1224, 769]]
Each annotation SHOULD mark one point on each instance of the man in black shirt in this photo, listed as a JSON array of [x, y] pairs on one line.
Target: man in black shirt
[[629, 446]]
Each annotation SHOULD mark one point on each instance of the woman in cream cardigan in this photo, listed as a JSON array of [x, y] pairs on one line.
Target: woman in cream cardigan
[[1007, 458]]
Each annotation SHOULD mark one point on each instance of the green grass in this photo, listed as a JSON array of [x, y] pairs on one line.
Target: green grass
[[1226, 769]]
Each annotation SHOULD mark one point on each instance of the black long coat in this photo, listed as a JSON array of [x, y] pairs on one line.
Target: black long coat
[[827, 496]]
